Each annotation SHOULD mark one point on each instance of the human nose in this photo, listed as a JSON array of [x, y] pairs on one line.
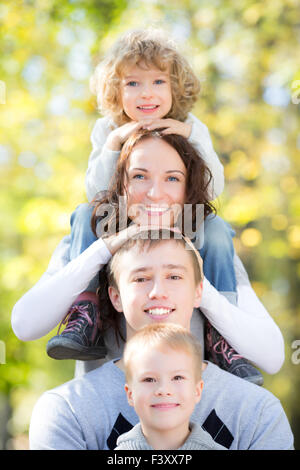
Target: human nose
[[147, 90], [155, 191], [158, 290], [163, 389]]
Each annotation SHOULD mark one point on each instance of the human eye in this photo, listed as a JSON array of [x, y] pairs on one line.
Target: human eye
[[138, 176], [140, 279], [173, 178], [148, 380], [132, 83], [175, 277], [159, 81], [178, 377]]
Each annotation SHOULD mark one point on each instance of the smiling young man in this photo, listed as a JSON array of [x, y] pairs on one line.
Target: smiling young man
[[149, 284], [152, 281]]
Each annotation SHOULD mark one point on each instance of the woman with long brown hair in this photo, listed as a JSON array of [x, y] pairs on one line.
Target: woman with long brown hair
[[195, 175]]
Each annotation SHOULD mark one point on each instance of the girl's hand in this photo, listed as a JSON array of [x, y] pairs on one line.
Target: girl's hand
[[118, 136], [171, 126]]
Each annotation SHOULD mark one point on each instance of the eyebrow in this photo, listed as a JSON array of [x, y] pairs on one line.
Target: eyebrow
[[158, 73], [167, 172], [176, 371], [165, 266]]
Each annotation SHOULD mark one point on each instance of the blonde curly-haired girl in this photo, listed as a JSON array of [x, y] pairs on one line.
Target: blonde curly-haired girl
[[144, 81]]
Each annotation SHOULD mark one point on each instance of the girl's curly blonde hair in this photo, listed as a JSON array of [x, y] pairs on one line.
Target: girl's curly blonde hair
[[151, 47]]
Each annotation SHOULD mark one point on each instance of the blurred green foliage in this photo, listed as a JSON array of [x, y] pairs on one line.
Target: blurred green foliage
[[246, 54]]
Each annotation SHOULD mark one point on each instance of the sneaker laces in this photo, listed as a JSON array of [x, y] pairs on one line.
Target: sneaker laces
[[227, 352], [73, 325]]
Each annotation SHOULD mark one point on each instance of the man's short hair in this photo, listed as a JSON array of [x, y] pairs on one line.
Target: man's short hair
[[149, 239]]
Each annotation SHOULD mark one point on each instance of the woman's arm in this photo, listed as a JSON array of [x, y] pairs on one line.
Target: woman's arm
[[46, 304], [247, 327]]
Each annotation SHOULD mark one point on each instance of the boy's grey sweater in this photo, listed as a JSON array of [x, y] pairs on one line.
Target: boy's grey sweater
[[198, 439]]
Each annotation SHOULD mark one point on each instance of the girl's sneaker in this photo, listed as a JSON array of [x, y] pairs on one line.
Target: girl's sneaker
[[223, 355], [81, 339]]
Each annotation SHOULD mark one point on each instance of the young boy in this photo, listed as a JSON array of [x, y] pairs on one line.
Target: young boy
[[155, 281], [163, 365]]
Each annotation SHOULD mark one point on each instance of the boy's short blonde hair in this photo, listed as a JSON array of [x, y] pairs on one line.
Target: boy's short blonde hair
[[151, 47], [160, 335]]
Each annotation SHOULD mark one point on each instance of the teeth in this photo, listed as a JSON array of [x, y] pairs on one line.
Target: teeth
[[148, 107], [159, 311], [157, 209]]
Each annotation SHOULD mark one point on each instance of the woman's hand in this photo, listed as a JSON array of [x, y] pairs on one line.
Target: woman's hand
[[114, 242]]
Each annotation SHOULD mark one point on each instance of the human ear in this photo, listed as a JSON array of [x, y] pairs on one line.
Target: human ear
[[129, 394], [198, 294], [198, 391], [115, 298]]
